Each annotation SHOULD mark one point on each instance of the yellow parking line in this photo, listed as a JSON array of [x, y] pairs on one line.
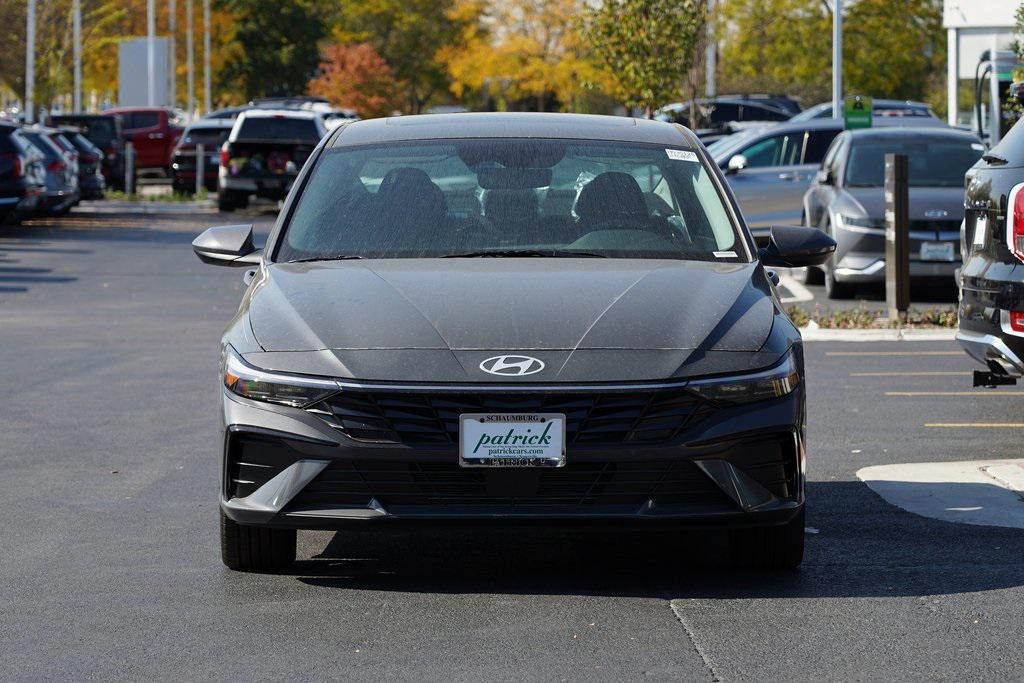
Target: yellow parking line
[[978, 425], [894, 353], [910, 374], [954, 393]]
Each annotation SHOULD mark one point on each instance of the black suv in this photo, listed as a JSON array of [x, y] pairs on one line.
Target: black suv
[[992, 278], [22, 177]]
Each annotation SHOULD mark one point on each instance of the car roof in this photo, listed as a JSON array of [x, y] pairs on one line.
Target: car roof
[[211, 123], [512, 125], [922, 132]]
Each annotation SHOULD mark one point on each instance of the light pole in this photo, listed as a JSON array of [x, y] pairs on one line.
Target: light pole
[[30, 62], [711, 53], [151, 52], [207, 96], [837, 60], [172, 58], [189, 60], [76, 22]]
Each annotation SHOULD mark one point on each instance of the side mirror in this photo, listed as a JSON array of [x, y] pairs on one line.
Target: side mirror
[[227, 245], [737, 163], [824, 177], [795, 247]]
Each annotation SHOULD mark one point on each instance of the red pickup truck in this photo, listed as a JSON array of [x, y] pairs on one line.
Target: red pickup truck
[[153, 131]]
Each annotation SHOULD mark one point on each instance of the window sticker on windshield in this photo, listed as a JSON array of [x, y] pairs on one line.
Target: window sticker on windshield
[[725, 254], [681, 155]]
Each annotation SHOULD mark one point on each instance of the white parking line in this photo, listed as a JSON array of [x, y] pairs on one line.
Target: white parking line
[[799, 292]]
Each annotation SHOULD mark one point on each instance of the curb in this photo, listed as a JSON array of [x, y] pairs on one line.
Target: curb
[[865, 335]]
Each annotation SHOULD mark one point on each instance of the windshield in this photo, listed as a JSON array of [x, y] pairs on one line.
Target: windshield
[[931, 163], [503, 196]]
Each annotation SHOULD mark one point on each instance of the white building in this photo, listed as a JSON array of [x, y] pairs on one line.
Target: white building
[[973, 26]]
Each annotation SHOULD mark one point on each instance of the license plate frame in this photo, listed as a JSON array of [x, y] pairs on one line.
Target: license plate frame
[[939, 252], [474, 451]]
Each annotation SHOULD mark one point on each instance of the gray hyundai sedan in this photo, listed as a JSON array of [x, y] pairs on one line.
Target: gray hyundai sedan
[[535, 318]]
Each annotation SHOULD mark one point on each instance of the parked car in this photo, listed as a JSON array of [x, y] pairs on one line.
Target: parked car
[[153, 132], [263, 154], [880, 109], [104, 131], [91, 184], [770, 168], [70, 157], [717, 117], [61, 178], [846, 200], [598, 339], [22, 175], [211, 134], [991, 315]]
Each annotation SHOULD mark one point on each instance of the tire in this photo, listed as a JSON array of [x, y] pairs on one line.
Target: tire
[[225, 201], [769, 548], [255, 548], [837, 290], [811, 275]]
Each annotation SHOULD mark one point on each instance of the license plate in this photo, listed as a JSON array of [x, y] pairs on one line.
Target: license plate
[[512, 440], [937, 251]]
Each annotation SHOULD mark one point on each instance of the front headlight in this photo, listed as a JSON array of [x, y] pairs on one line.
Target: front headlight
[[846, 220], [774, 382], [260, 385]]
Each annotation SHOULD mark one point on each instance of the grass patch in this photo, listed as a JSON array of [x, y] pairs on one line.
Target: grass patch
[[172, 197], [865, 318]]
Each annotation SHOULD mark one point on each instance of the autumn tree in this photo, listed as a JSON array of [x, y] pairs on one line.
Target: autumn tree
[[646, 47], [356, 77]]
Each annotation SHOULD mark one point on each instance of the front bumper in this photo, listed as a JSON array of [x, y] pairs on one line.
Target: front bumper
[[736, 466], [869, 268]]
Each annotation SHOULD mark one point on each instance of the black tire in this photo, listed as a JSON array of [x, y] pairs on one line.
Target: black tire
[[770, 548], [225, 201], [255, 548], [837, 290], [812, 275]]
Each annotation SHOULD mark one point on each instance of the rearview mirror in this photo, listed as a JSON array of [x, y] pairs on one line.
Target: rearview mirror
[[792, 246], [227, 245], [737, 163]]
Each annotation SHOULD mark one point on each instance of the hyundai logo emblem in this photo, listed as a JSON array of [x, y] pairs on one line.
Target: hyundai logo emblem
[[936, 213], [512, 366]]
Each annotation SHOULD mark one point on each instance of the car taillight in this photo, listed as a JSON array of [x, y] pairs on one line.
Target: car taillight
[[17, 169], [1015, 223], [1017, 321], [225, 157]]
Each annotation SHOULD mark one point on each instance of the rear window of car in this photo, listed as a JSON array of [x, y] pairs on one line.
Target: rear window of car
[[100, 130], [141, 119], [205, 136], [443, 198], [49, 148], [278, 128]]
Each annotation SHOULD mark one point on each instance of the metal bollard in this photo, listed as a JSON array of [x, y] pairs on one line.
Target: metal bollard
[[897, 237], [129, 169], [200, 168]]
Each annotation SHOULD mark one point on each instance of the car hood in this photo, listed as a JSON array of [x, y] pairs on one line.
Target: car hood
[[922, 201], [585, 319]]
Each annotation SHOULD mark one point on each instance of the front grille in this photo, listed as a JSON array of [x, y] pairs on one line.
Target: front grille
[[433, 419], [431, 484]]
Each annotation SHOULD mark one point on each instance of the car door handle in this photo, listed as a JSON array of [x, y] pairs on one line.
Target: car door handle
[[789, 176], [155, 136]]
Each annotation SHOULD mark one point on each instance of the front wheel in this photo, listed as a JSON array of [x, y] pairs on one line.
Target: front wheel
[[836, 290], [772, 548], [255, 548]]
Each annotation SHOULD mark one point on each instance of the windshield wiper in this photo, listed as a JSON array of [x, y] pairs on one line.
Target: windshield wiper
[[326, 257], [527, 253]]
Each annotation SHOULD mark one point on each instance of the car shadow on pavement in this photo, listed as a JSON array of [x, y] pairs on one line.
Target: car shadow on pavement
[[858, 546]]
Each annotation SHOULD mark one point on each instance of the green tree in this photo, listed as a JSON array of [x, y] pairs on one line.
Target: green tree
[[776, 46], [408, 34], [276, 45], [904, 59], [646, 47]]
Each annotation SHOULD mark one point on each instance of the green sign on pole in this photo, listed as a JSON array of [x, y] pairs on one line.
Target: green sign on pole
[[857, 112]]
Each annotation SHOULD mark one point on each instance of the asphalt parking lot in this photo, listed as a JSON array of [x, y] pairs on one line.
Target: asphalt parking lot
[[108, 442]]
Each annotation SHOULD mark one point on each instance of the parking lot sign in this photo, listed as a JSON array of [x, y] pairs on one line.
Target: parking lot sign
[[857, 112]]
